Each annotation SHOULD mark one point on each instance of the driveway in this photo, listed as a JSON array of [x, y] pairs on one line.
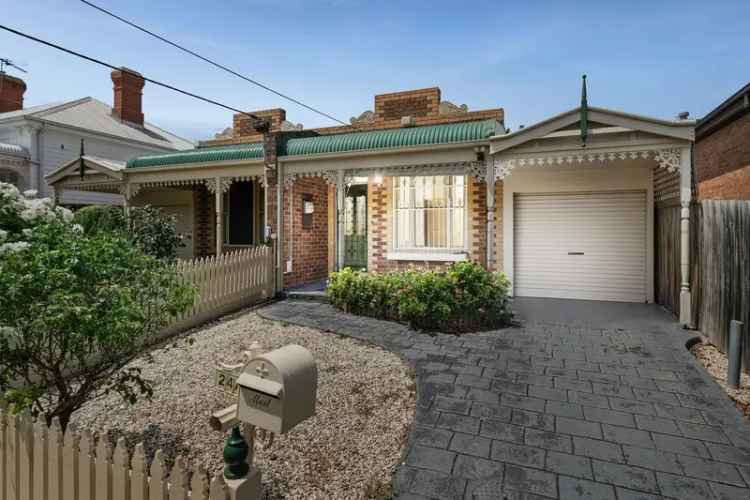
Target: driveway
[[586, 400]]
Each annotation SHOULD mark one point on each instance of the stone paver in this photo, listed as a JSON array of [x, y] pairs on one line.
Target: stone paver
[[618, 409]]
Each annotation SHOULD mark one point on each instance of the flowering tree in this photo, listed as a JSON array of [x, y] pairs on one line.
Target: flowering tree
[[75, 308]]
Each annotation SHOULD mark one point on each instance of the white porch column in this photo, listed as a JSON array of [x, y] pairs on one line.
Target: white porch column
[[340, 191], [686, 194], [490, 185], [218, 202]]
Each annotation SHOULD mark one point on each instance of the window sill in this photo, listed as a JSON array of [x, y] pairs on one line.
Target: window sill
[[456, 256]]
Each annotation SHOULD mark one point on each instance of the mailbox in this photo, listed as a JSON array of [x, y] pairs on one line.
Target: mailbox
[[278, 389]]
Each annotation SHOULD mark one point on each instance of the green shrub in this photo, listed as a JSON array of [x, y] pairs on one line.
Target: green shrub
[[148, 227], [458, 298]]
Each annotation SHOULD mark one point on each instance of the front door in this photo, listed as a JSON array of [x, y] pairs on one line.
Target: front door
[[355, 226]]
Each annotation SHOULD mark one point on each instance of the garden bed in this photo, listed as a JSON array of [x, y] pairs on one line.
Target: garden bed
[[715, 363], [351, 446]]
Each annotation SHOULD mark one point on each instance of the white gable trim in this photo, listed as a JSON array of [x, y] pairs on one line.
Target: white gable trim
[[682, 130]]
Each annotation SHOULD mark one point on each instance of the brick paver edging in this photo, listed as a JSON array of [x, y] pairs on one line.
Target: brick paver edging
[[556, 411]]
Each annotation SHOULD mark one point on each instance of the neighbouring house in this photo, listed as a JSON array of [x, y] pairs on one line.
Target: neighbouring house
[[37, 140], [420, 181], [722, 150]]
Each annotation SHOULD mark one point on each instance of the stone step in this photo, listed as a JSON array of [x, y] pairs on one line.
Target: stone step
[[315, 296]]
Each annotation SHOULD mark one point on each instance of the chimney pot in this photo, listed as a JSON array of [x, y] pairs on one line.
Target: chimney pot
[[128, 89], [11, 93]]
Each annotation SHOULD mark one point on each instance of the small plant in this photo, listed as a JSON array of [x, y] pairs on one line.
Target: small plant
[[377, 489], [459, 298]]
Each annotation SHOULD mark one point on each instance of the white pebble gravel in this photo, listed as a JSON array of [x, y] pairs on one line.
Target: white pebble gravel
[[364, 409]]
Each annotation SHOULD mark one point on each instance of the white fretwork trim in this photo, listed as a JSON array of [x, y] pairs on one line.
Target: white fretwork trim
[[477, 169], [328, 175], [668, 159], [226, 182]]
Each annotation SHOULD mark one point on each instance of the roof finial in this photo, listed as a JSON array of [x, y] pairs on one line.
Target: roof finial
[[584, 113]]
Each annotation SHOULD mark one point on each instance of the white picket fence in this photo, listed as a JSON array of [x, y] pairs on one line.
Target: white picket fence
[[40, 463], [225, 283]]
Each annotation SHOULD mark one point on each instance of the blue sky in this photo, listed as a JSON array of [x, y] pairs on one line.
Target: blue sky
[[651, 57]]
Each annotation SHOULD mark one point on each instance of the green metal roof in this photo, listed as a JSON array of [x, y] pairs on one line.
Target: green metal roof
[[251, 151], [334, 143], [389, 138]]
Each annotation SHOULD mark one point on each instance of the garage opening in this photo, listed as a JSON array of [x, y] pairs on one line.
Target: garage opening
[[588, 245]]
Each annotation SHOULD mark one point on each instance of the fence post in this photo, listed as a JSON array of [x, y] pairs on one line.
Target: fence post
[[734, 354]]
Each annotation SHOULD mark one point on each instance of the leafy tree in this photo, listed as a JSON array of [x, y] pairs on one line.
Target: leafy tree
[[76, 308], [148, 227]]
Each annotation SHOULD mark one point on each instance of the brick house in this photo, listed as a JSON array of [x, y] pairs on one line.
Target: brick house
[[722, 150], [420, 181]]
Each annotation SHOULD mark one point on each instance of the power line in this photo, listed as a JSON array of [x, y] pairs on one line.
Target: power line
[[125, 70], [213, 63]]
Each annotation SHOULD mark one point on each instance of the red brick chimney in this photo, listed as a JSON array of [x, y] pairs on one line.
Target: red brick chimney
[[128, 91], [11, 93]]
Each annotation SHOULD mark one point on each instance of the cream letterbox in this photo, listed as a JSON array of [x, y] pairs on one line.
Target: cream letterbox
[[278, 389]]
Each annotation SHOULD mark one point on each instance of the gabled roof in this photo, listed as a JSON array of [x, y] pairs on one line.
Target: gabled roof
[[106, 166], [677, 129], [371, 140], [93, 115]]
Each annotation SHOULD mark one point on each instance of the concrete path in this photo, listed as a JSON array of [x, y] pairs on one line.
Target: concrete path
[[585, 401]]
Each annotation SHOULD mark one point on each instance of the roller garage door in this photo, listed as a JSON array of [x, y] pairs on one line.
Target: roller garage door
[[580, 245]]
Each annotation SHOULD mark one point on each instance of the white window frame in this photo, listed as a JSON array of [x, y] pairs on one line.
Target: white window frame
[[456, 253]]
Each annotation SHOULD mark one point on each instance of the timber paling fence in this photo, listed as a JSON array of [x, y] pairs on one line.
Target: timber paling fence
[[720, 267], [43, 463], [724, 271], [226, 282]]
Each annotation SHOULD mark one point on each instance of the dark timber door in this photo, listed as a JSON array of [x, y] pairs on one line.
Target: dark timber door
[[355, 226]]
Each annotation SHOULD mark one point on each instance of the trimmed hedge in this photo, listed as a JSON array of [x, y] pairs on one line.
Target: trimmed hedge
[[462, 297]]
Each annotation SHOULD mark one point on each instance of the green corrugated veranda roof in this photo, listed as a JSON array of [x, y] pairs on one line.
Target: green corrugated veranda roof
[[251, 151], [334, 143]]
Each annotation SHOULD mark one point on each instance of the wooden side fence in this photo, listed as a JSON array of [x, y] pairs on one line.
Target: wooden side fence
[[724, 253], [225, 283], [41, 463]]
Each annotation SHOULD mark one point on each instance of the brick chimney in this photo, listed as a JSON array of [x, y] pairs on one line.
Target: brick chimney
[[11, 93], [128, 86]]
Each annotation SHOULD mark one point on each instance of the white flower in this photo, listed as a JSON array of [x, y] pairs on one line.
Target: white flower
[[3, 235], [14, 246], [27, 232], [66, 214], [30, 193], [77, 228]]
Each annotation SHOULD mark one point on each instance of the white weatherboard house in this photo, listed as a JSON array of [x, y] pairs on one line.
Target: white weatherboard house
[[567, 207], [36, 141]]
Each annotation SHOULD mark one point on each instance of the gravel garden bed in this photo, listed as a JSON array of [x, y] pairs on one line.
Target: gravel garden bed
[[349, 449], [716, 364]]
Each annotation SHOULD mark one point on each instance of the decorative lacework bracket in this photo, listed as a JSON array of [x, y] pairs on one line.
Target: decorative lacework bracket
[[328, 175], [668, 158], [226, 182]]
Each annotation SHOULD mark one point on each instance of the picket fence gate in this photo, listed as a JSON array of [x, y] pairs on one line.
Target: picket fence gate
[[43, 463], [226, 282]]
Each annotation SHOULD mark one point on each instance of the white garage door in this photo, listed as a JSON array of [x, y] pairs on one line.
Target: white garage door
[[580, 245]]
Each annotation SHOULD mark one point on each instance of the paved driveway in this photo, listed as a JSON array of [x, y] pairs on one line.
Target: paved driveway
[[585, 401]]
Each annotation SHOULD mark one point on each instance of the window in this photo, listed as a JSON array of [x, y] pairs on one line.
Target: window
[[238, 214], [429, 212], [9, 177]]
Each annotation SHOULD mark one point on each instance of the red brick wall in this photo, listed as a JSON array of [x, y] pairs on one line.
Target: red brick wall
[[477, 220], [205, 221], [309, 246], [733, 185], [723, 151]]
